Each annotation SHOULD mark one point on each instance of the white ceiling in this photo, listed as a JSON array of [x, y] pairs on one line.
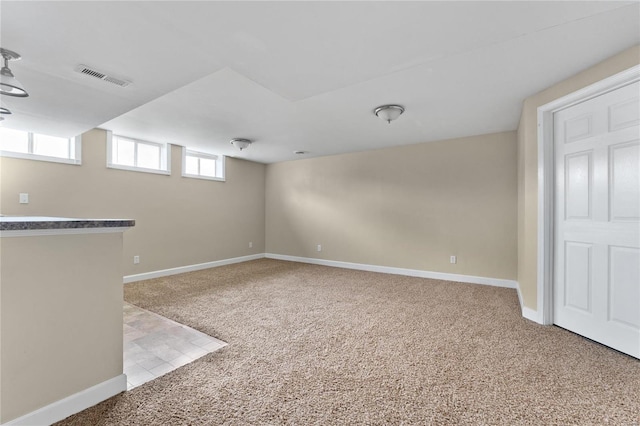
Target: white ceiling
[[298, 75]]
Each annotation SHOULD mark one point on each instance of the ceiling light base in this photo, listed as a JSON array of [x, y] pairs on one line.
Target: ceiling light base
[[240, 143], [9, 55], [9, 85], [389, 112]]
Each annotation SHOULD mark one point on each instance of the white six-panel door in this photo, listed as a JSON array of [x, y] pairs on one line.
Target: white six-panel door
[[597, 219]]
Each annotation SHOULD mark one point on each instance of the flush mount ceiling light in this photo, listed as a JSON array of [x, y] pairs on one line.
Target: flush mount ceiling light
[[240, 143], [389, 112], [9, 85], [4, 110]]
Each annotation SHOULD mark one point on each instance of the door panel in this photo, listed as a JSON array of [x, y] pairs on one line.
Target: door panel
[[578, 128], [597, 219], [577, 274], [624, 114], [625, 181], [623, 286], [578, 183]]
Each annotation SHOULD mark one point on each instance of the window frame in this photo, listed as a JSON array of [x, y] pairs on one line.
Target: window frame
[[165, 155], [219, 159], [74, 144]]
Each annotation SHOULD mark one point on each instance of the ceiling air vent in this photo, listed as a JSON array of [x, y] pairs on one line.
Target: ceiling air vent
[[83, 69]]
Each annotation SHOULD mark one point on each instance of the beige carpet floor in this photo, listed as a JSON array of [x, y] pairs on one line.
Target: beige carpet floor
[[312, 345]]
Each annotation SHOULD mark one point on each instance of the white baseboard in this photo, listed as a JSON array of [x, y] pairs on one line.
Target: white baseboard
[[73, 404], [189, 268], [528, 313], [498, 282]]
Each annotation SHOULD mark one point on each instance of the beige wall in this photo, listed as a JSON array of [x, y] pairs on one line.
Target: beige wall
[[407, 207], [528, 162], [179, 221], [60, 317]]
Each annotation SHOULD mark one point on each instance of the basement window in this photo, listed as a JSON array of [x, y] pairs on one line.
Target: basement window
[[35, 146], [136, 155], [199, 165]]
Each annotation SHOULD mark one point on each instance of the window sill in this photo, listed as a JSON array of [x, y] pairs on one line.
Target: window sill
[[218, 179], [139, 169], [36, 157]]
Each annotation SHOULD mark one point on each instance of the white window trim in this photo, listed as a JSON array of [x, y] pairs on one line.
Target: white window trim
[[220, 162], [165, 155], [77, 141]]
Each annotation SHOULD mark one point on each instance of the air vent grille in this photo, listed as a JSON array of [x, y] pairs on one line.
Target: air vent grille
[[83, 69]]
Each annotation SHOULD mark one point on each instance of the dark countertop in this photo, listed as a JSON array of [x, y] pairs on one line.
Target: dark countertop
[[24, 223]]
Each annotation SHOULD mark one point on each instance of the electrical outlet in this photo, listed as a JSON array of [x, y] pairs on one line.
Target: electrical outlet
[[250, 244], [453, 259], [319, 248], [24, 198], [136, 260]]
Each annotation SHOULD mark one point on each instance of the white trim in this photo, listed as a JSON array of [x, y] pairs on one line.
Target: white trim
[[36, 157], [215, 179], [62, 231], [545, 181], [189, 268], [219, 159], [497, 282], [76, 161], [222, 161], [73, 404], [527, 313], [139, 169], [545, 212], [78, 154], [165, 156]]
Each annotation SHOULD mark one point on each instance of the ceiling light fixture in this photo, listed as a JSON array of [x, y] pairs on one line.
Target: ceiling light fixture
[[240, 143], [9, 85], [4, 110], [389, 112]]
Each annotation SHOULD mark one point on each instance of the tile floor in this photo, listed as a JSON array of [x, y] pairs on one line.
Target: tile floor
[[155, 345]]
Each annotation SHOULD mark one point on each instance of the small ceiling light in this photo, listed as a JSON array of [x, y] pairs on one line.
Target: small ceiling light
[[9, 85], [4, 110], [240, 143], [389, 112], [300, 152]]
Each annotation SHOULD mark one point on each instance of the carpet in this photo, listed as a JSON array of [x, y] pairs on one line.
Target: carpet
[[314, 345]]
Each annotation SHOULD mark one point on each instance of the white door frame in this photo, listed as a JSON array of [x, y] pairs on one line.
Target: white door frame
[[546, 181]]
